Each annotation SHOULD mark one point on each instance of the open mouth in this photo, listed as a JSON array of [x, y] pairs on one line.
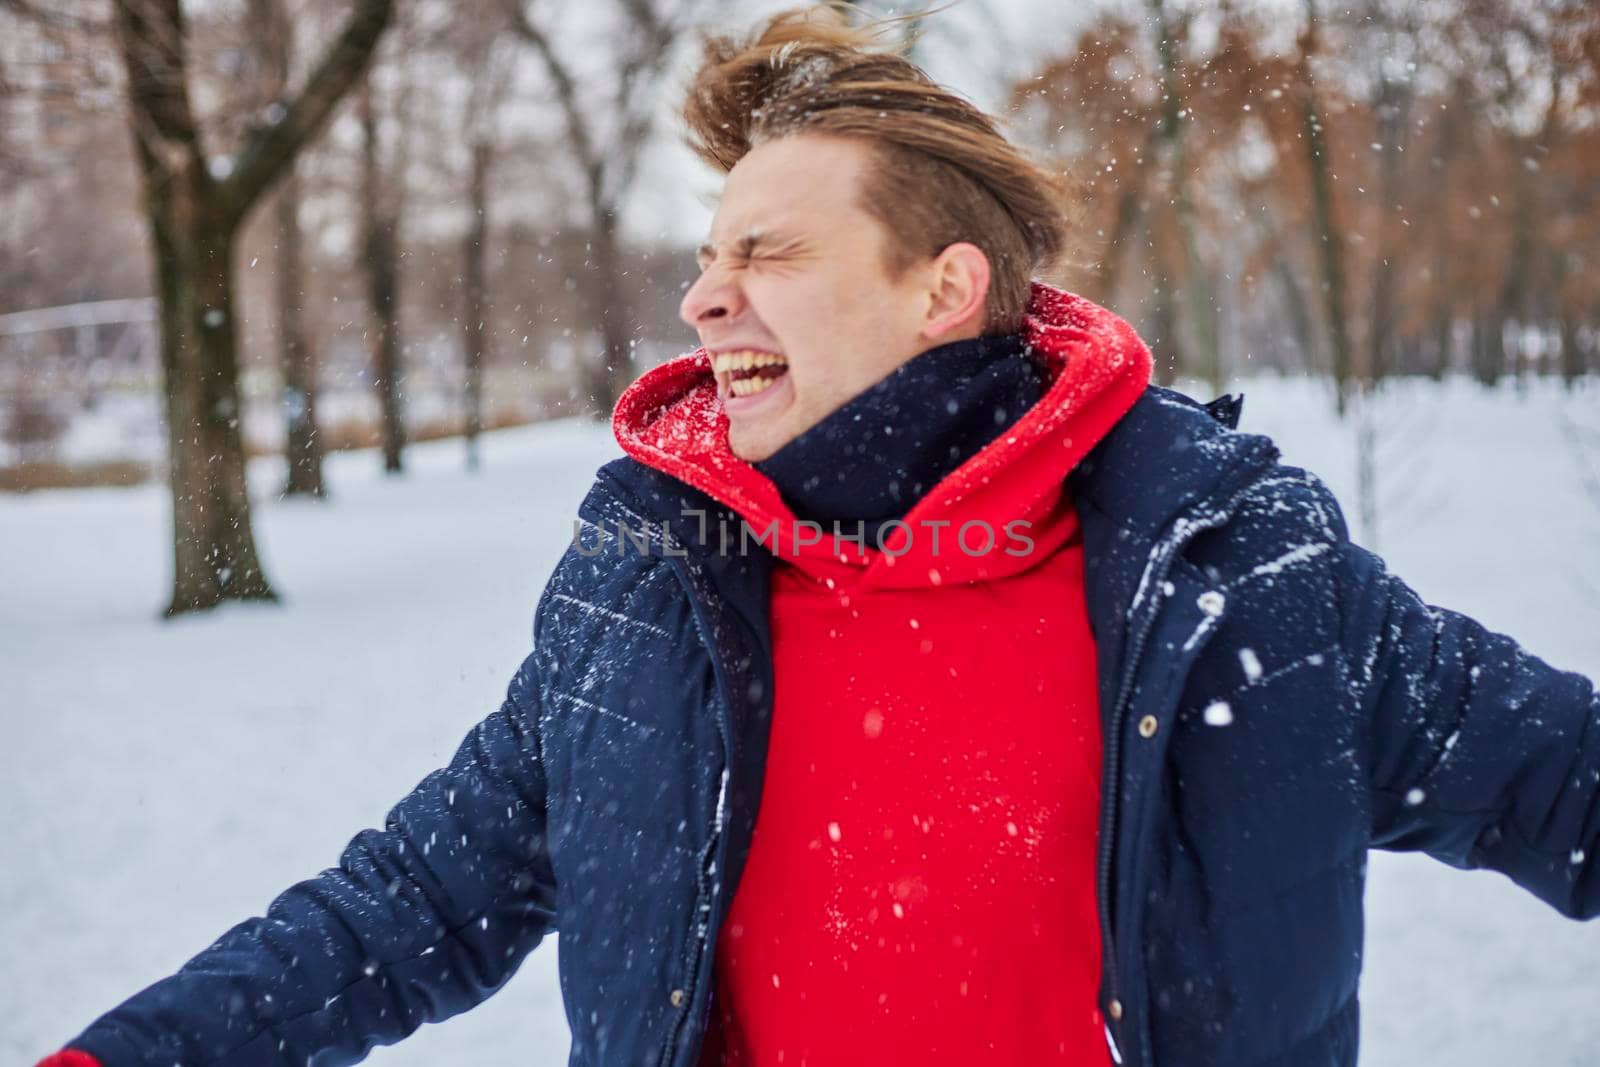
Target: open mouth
[[749, 372]]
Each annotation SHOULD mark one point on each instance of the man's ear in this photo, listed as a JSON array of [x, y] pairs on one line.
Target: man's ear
[[958, 291]]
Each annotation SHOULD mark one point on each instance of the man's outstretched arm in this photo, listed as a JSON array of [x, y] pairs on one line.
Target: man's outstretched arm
[[420, 921], [1482, 754]]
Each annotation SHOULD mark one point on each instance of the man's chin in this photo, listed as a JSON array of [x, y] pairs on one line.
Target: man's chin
[[753, 447]]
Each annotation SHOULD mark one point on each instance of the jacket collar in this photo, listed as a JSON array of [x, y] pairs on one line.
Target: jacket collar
[[1095, 367], [1168, 453]]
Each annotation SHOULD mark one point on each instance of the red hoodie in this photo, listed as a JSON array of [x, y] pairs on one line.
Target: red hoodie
[[921, 883]]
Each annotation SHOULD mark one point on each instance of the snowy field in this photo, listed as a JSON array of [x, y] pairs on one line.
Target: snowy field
[[162, 781]]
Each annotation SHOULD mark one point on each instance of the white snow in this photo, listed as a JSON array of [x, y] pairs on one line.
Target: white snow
[[164, 780], [1291, 558], [1251, 664]]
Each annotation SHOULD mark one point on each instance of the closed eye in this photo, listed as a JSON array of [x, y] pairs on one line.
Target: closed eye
[[758, 247]]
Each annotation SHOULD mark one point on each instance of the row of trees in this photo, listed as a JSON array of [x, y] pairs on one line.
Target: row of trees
[[1378, 187], [1382, 188], [223, 105]]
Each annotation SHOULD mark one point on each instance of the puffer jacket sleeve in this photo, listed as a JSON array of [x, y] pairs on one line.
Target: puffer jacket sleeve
[[1481, 754], [418, 922]]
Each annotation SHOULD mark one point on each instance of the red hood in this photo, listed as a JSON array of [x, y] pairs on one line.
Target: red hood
[[1095, 366]]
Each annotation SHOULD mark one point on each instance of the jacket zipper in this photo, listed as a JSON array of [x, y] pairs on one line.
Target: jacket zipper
[[716, 846], [1113, 743]]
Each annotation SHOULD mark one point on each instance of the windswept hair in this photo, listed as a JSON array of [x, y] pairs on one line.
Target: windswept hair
[[944, 171]]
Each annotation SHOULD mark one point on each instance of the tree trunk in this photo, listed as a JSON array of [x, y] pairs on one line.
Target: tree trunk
[[270, 27], [1515, 287], [1443, 293], [1380, 343], [380, 260], [1116, 248], [612, 315], [1197, 293], [474, 297], [1571, 353], [193, 217], [1299, 314], [213, 550], [214, 553], [1327, 235], [382, 283], [302, 445], [1131, 208], [1443, 342], [1166, 322], [1393, 108], [1367, 460], [1294, 301], [1488, 348]]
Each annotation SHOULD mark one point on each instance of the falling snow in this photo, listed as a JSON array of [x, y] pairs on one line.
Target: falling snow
[[266, 788], [1251, 665]]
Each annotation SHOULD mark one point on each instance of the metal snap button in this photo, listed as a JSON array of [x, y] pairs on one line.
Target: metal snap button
[[677, 998], [1115, 1008], [1211, 602], [1148, 726]]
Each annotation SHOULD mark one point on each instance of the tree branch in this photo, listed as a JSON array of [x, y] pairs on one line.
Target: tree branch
[[566, 94], [151, 37], [658, 32], [29, 9], [270, 149]]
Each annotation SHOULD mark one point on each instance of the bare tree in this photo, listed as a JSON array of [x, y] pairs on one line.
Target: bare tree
[[380, 260], [302, 439], [1328, 235], [474, 288], [195, 207], [488, 87], [1201, 308], [606, 138], [1401, 178], [274, 33]]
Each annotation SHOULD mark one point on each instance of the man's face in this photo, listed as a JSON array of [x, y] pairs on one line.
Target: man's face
[[793, 277]]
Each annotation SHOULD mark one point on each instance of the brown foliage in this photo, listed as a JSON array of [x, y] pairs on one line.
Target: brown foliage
[[1463, 148]]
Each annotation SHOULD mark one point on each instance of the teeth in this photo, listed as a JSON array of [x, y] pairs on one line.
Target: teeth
[[728, 362], [749, 386]]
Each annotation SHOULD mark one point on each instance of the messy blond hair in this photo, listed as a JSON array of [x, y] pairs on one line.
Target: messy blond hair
[[944, 173]]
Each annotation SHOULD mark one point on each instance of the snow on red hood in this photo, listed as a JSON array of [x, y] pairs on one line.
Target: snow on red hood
[[1096, 367]]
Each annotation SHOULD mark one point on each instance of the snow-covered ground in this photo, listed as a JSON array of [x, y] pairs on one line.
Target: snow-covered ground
[[162, 781]]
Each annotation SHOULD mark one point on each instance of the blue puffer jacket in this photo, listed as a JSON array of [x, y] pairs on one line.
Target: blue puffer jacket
[[1274, 704]]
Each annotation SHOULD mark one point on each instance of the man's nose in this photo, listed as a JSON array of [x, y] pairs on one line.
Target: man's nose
[[712, 296]]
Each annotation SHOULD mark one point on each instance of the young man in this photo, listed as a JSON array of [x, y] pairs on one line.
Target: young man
[[1049, 719]]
